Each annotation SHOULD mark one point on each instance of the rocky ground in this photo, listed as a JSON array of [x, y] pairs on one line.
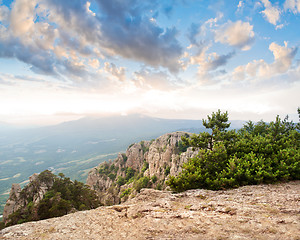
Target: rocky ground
[[250, 212]]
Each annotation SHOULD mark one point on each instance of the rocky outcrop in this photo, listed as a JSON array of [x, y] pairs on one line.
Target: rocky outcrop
[[250, 212], [14, 202], [34, 192], [145, 163]]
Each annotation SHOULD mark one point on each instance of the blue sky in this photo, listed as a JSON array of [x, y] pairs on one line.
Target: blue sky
[[61, 60]]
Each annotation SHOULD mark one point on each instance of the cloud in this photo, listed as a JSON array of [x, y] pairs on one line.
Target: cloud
[[208, 65], [237, 34], [197, 31], [150, 79], [4, 13], [94, 63], [271, 13], [119, 73], [127, 31], [60, 37], [259, 69], [193, 32], [211, 61], [22, 17], [292, 5], [240, 5], [18, 80]]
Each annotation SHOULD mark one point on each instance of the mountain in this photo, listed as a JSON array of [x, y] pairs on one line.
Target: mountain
[[74, 147], [77, 146], [144, 164]]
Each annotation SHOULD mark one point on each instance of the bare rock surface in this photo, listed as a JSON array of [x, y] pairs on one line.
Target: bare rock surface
[[250, 212]]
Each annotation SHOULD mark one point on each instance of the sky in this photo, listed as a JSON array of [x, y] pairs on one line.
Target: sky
[[62, 60]]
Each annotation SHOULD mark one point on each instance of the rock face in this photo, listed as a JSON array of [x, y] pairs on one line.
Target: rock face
[[153, 160], [14, 202], [19, 198], [260, 212]]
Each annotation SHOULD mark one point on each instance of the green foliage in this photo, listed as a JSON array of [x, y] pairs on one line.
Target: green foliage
[[129, 173], [120, 181], [142, 182], [112, 176], [46, 176], [145, 166], [130, 145], [258, 153], [124, 155], [125, 193], [159, 186], [167, 170], [154, 179], [104, 169], [182, 146], [60, 199], [108, 170], [217, 120]]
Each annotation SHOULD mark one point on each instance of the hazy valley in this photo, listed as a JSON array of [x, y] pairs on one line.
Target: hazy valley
[[77, 146]]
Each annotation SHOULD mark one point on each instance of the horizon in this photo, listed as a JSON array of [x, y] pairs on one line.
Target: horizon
[[56, 122], [64, 60]]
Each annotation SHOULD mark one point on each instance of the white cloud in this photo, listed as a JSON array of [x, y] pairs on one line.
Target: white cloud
[[238, 34], [22, 17], [197, 32], [259, 69], [55, 37], [271, 13], [280, 26], [94, 63], [88, 4], [211, 61], [240, 5], [292, 5], [4, 13], [157, 80], [111, 68]]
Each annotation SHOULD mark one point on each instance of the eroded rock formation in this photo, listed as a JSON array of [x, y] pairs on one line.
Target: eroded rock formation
[[34, 192], [148, 160]]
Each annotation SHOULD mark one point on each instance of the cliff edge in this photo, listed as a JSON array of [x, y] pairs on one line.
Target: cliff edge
[[249, 212]]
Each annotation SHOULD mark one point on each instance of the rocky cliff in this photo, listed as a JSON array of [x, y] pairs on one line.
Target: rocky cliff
[[46, 196], [145, 164], [260, 212], [32, 192]]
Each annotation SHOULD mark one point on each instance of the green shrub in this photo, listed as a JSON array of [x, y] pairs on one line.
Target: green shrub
[[112, 176], [125, 193], [120, 181], [129, 173], [59, 200], [143, 182], [182, 147], [154, 179], [145, 166], [124, 156], [167, 170], [258, 153]]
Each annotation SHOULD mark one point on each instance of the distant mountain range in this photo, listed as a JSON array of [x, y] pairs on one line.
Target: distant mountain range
[[77, 146]]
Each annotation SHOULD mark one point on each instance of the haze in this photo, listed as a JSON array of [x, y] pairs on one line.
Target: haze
[[62, 60]]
